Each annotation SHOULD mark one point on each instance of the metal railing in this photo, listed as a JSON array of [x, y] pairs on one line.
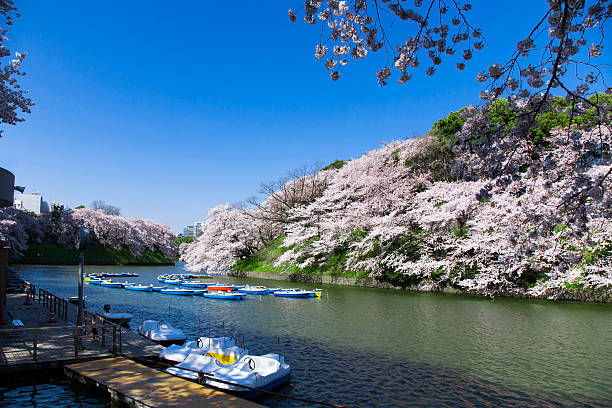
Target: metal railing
[[56, 343], [55, 303]]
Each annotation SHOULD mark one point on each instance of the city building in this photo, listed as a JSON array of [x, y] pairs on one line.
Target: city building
[[31, 202], [193, 230], [189, 231]]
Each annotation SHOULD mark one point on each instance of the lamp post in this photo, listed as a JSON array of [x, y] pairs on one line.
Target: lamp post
[[81, 242]]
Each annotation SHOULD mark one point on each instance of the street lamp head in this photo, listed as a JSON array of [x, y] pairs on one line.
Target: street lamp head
[[21, 189], [82, 239]]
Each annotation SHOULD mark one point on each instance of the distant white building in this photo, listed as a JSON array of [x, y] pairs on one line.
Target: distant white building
[[31, 202], [193, 230], [189, 231]]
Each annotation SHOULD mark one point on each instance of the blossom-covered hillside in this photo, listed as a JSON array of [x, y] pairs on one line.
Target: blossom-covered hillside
[[468, 206], [60, 227]]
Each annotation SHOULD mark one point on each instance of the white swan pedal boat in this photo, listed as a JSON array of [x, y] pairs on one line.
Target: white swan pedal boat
[[161, 332], [265, 372], [222, 348]]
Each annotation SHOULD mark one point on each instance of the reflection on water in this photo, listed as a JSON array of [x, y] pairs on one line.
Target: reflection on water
[[368, 347], [50, 389]]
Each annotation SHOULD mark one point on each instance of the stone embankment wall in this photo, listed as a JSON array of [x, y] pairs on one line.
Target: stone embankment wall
[[580, 295]]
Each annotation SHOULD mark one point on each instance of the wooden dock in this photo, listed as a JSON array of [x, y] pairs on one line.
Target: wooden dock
[[140, 386], [39, 344], [90, 355]]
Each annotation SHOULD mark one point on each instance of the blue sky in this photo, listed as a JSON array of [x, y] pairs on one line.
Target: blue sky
[[168, 109]]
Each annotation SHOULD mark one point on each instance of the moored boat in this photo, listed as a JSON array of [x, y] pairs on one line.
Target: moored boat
[[194, 284], [222, 348], [140, 288], [265, 372], [161, 332], [185, 292], [221, 287], [115, 317], [254, 290], [295, 293], [225, 296], [111, 284], [158, 288], [75, 300]]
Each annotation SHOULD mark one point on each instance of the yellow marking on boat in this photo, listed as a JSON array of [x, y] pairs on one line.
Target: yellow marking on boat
[[223, 358]]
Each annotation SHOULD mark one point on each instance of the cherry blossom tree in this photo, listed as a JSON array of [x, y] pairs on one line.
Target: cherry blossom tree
[[60, 227], [20, 227], [13, 99], [441, 29], [560, 55], [529, 221], [229, 233]]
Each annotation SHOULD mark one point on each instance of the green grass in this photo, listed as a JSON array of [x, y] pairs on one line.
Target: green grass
[[183, 240], [50, 254], [264, 260]]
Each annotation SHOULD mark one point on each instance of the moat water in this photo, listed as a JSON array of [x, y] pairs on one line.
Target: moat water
[[373, 347]]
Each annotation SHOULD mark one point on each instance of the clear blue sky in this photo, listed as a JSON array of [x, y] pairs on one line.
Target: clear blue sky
[[167, 109]]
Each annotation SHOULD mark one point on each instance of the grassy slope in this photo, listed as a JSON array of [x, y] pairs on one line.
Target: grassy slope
[[56, 255], [264, 259]]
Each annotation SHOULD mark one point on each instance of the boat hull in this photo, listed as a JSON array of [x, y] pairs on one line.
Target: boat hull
[[221, 288], [295, 294], [251, 394], [140, 288], [111, 285], [229, 296], [177, 292]]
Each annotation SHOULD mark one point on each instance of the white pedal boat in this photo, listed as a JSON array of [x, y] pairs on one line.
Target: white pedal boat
[[265, 372], [117, 318], [161, 332], [222, 348]]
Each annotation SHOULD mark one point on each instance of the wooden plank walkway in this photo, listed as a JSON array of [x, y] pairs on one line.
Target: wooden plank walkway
[[55, 341], [140, 386]]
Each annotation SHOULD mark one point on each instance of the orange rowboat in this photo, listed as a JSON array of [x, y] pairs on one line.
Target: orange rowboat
[[225, 288]]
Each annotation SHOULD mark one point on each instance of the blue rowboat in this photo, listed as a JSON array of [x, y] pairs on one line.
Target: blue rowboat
[[172, 281], [225, 296], [109, 284], [158, 288], [295, 293], [184, 292], [95, 281], [189, 284], [254, 290], [161, 278], [140, 288], [272, 290]]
